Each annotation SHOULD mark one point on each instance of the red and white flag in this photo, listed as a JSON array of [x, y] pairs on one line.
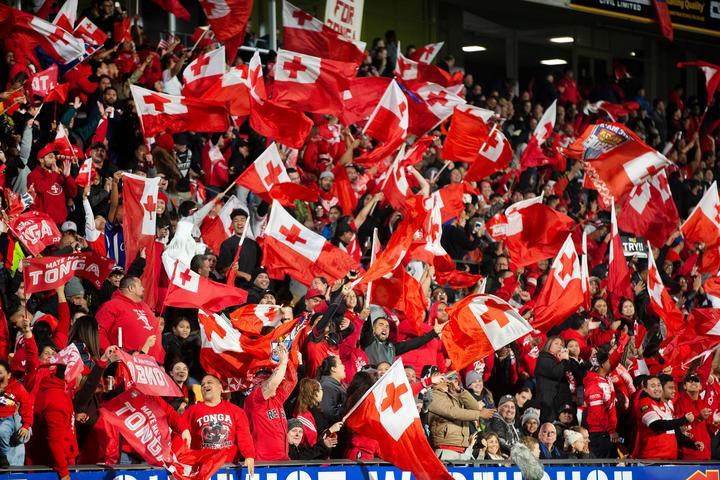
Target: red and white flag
[[495, 155], [311, 84], [290, 247], [67, 15], [56, 41], [233, 89], [387, 413], [228, 20], [90, 33], [160, 112], [546, 125], [250, 319], [438, 103], [306, 34], [203, 72], [712, 76], [267, 177], [660, 301], [70, 357], [712, 291], [390, 119], [396, 187], [480, 325], [86, 174], [411, 73], [468, 133], [649, 210], [618, 285], [535, 231], [618, 156], [221, 353], [189, 290], [36, 231], [562, 294], [427, 53], [288, 126], [451, 199], [218, 229], [190, 464], [399, 244], [362, 97], [42, 83], [703, 226], [140, 196]]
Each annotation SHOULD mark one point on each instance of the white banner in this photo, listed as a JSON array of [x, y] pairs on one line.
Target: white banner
[[345, 17]]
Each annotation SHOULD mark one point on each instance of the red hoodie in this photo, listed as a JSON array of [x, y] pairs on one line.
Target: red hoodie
[[53, 442], [52, 192], [137, 322], [13, 398]]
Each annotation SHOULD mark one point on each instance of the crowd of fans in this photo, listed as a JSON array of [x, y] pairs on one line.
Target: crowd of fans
[[574, 393]]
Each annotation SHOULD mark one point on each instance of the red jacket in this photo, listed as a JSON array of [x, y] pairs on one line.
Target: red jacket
[[698, 429], [136, 320], [26, 359], [13, 398], [53, 441], [53, 191], [599, 403]]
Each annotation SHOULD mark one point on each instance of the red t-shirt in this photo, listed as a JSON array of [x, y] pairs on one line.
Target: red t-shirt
[[224, 426], [268, 420], [697, 430]]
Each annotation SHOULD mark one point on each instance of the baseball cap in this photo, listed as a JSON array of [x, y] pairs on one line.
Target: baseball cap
[[69, 227], [567, 408], [505, 399], [327, 174], [693, 377], [47, 149], [314, 293]]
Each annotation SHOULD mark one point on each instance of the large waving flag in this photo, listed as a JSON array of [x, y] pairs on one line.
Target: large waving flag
[[387, 413], [562, 295], [703, 226], [660, 301], [228, 20], [291, 248], [479, 325]]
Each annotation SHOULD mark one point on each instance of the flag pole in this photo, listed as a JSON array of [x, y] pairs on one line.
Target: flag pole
[[207, 29], [373, 254]]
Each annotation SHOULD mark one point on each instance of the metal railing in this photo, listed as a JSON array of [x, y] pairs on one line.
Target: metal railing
[[589, 462]]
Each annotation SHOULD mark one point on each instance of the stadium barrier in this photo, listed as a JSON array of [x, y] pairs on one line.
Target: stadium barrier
[[342, 470]]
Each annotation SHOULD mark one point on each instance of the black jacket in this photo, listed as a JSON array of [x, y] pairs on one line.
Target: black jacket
[[552, 388]]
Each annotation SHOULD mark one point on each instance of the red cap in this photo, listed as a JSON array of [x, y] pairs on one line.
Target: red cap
[[313, 293], [162, 196], [47, 149]]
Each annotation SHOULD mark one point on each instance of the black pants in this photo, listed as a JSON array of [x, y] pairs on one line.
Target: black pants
[[601, 446]]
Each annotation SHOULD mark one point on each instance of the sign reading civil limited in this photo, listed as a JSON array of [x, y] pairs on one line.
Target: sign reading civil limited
[[701, 16]]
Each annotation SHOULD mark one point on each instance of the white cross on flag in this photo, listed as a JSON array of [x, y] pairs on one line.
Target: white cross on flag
[[189, 290], [412, 73], [250, 319], [160, 112], [67, 15], [495, 154], [703, 225], [220, 351], [304, 33], [390, 119], [649, 210], [140, 215], [438, 103], [387, 413], [479, 325], [660, 301], [311, 84], [562, 294], [290, 247], [427, 53], [203, 72]]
